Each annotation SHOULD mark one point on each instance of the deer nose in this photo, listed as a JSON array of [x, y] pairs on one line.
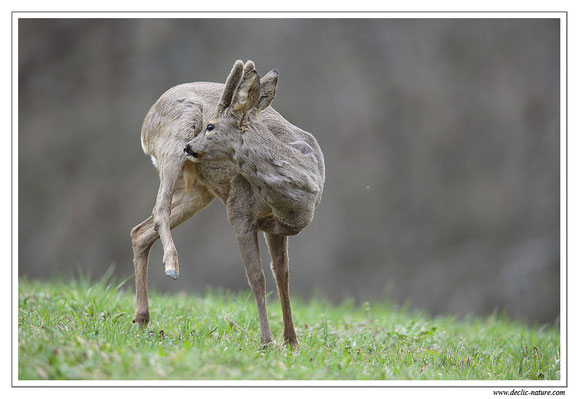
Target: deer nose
[[189, 150]]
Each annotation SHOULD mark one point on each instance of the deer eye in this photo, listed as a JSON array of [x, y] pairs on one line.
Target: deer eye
[[210, 127]]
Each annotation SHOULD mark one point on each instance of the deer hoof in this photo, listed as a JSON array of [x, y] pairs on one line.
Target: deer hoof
[[292, 344], [141, 317], [172, 273]]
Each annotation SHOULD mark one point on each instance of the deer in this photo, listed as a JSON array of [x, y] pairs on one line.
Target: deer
[[212, 140]]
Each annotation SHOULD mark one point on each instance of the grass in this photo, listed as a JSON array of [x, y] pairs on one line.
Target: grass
[[83, 330]]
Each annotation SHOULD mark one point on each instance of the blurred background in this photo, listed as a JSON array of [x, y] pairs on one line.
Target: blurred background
[[441, 141]]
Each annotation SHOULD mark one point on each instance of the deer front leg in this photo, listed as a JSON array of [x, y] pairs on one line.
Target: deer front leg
[[246, 233], [248, 246], [168, 173], [278, 250]]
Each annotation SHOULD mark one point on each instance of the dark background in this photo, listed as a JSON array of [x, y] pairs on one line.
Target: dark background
[[441, 140]]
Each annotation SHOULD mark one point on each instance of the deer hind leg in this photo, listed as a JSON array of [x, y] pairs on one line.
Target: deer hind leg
[[278, 250], [143, 236]]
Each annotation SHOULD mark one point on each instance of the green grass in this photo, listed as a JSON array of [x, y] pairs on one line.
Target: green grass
[[82, 330]]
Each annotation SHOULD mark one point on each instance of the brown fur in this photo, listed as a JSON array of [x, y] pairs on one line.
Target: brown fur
[[268, 173]]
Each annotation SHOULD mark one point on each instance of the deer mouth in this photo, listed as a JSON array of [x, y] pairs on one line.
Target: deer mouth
[[191, 154]]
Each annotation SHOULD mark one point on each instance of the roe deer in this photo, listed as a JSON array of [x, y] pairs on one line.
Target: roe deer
[[212, 140]]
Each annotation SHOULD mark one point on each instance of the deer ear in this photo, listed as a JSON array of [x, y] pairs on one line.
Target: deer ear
[[268, 88], [247, 94], [231, 84]]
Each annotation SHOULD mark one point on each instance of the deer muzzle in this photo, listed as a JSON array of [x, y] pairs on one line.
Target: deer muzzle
[[191, 154]]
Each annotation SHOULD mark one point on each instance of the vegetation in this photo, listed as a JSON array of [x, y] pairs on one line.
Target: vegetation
[[83, 330]]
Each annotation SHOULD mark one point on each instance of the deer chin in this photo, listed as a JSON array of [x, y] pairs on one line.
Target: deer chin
[[199, 157], [193, 159]]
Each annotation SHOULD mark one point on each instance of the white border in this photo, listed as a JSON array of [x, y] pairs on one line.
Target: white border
[[563, 128], [14, 116], [551, 384], [291, 14], [302, 383]]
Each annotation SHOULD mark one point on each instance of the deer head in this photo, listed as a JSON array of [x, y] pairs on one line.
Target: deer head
[[243, 97]]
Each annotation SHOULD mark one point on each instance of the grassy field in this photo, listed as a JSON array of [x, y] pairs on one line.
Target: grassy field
[[82, 330]]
